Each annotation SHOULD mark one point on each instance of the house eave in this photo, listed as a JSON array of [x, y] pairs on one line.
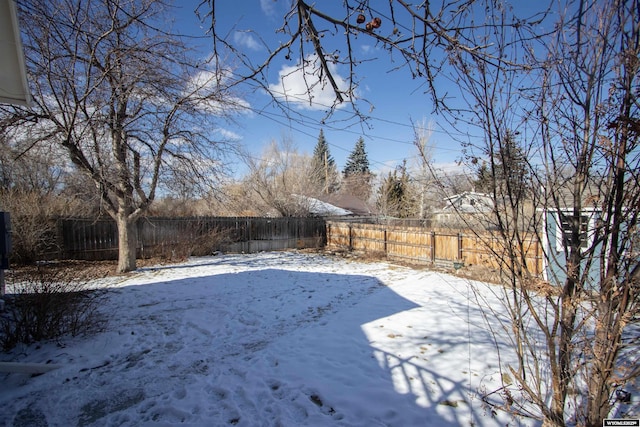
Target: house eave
[[14, 88]]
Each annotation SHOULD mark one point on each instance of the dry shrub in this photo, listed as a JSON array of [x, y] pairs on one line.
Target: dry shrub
[[196, 242], [210, 242], [372, 256], [542, 287], [33, 229], [46, 304], [33, 222]]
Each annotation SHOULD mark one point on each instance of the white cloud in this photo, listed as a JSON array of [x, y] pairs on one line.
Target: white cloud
[[450, 168], [304, 88], [386, 167], [367, 49], [229, 135], [203, 84], [246, 39], [268, 7], [202, 81]]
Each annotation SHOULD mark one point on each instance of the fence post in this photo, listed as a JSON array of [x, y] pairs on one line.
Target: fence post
[[433, 247], [537, 256], [385, 241], [60, 238], [248, 235], [350, 238], [459, 246], [140, 238]]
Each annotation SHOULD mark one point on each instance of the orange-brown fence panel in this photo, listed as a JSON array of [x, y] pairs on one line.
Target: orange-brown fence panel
[[410, 245], [419, 245]]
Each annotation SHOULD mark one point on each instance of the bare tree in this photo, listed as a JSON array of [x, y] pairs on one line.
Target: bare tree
[[592, 125], [283, 180], [424, 172], [36, 170], [35, 191], [577, 111], [124, 99]]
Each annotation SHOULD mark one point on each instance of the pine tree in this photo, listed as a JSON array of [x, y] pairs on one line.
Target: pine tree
[[484, 181], [395, 197], [357, 163], [325, 172], [357, 176], [507, 172], [512, 168]]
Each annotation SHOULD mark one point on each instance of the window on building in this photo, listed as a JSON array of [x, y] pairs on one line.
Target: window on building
[[564, 231]]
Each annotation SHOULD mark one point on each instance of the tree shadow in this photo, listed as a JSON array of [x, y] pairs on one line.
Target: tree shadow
[[271, 346], [455, 364]]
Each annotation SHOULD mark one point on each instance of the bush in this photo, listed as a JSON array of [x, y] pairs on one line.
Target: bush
[[46, 304], [33, 221], [196, 240]]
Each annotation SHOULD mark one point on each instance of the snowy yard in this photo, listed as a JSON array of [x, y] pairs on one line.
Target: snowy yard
[[273, 339]]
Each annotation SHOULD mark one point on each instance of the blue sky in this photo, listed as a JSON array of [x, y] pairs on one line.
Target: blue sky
[[396, 100]]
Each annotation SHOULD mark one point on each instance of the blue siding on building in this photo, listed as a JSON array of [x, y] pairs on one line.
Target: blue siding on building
[[555, 268]]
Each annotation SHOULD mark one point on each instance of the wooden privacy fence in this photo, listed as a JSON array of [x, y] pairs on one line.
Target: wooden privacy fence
[[98, 239], [417, 245]]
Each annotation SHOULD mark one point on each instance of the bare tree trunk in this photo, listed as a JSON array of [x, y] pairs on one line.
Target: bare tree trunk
[[127, 243], [598, 405]]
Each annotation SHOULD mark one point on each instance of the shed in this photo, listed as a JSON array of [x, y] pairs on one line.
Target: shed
[[557, 236]]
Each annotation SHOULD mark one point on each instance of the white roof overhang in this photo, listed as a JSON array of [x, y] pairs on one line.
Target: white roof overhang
[[13, 75]]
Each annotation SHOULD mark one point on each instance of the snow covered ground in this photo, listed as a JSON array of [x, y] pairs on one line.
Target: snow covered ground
[[271, 339]]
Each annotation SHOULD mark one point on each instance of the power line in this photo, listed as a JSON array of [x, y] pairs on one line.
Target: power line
[[318, 124]]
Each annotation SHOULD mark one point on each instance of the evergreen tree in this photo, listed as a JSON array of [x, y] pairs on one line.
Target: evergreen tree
[[512, 168], [507, 172], [484, 181], [395, 197], [324, 169], [357, 176], [357, 163]]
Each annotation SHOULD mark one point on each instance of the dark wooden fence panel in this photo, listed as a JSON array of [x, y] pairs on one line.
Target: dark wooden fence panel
[[98, 239], [87, 239]]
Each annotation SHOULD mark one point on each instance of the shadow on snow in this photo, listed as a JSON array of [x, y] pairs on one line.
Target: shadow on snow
[[262, 347]]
